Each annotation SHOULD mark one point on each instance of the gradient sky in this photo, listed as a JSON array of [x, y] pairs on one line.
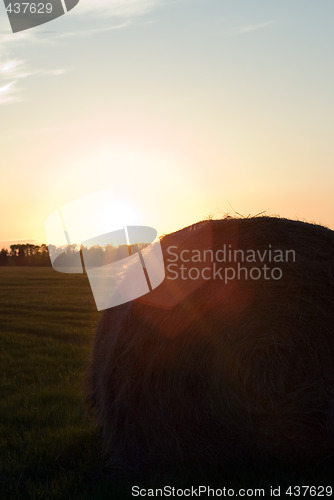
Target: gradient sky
[[183, 108]]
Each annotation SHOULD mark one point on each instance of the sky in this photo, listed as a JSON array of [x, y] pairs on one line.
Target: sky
[[185, 109]]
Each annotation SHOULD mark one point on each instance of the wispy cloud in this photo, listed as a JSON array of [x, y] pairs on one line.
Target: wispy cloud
[[118, 8], [13, 68], [95, 31], [56, 72], [12, 72], [109, 15], [6, 92], [241, 30]]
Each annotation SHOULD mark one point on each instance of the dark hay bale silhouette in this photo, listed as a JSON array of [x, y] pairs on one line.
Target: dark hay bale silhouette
[[208, 372]]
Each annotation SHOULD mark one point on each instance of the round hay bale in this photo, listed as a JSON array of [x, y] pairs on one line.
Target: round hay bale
[[208, 370]]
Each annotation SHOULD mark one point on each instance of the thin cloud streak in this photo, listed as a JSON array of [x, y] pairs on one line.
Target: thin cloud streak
[[116, 14], [6, 88], [118, 8], [241, 30], [12, 72], [94, 31], [7, 92]]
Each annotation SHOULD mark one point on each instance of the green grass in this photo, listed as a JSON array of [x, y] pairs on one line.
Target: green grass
[[48, 446]]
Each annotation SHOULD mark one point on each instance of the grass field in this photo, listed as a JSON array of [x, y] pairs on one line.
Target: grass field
[[48, 446]]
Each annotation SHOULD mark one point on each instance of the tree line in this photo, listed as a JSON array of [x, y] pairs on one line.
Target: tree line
[[25, 255], [38, 255]]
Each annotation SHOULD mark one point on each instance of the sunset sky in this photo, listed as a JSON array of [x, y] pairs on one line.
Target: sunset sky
[[181, 107]]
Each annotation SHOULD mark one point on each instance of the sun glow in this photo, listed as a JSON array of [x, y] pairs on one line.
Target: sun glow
[[88, 217], [148, 188]]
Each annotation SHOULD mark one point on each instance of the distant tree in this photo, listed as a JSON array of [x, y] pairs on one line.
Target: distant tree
[[22, 256], [30, 251], [3, 257], [26, 254], [14, 250], [41, 256], [13, 255]]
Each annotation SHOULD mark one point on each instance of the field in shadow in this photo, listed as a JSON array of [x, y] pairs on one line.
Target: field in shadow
[[48, 445]]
